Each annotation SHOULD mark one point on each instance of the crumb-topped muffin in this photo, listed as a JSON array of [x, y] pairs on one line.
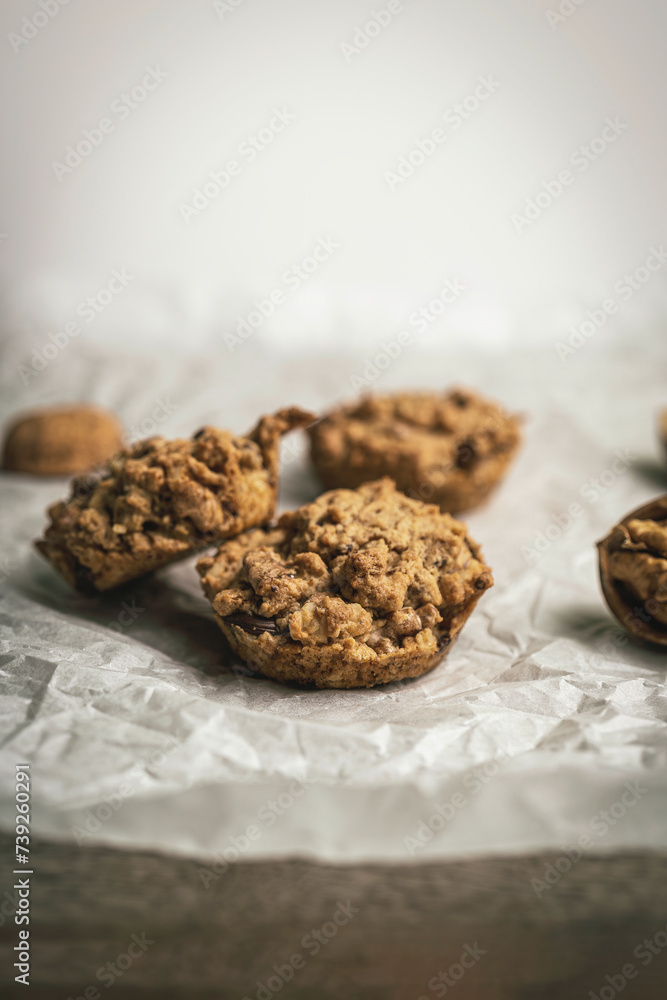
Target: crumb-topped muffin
[[61, 440], [161, 500], [450, 449], [360, 587]]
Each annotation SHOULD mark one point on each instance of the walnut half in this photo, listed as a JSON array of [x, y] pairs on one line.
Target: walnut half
[[633, 571]]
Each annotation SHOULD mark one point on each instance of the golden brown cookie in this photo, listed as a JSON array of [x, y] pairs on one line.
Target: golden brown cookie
[[449, 449], [360, 587], [62, 440], [160, 500]]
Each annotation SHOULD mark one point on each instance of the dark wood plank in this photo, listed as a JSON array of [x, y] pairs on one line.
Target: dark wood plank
[[412, 923]]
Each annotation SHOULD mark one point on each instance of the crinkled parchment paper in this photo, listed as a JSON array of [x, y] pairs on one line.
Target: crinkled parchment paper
[[543, 726]]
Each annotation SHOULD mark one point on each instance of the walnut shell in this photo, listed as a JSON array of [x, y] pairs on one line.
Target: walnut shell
[[61, 440], [633, 571], [662, 429]]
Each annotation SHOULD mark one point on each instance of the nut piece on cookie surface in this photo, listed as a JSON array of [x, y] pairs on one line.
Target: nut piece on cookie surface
[[633, 572], [450, 449], [159, 500], [61, 440], [360, 587]]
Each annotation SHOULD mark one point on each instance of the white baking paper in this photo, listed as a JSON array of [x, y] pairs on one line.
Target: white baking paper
[[544, 728]]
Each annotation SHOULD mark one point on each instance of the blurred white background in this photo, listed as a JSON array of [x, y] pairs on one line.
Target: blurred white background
[[357, 86]]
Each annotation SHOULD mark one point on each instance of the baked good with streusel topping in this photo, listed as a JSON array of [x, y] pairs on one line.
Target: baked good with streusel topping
[[360, 587], [160, 500], [449, 449]]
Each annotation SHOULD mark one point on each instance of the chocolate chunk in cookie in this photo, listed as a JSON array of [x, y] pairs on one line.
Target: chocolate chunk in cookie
[[160, 500], [360, 587], [450, 449], [62, 440]]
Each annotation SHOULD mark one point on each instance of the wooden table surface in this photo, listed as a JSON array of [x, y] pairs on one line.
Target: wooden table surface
[[382, 932]]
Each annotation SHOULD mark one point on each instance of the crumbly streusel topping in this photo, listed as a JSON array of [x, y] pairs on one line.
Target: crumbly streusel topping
[[369, 564], [419, 430], [159, 499]]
